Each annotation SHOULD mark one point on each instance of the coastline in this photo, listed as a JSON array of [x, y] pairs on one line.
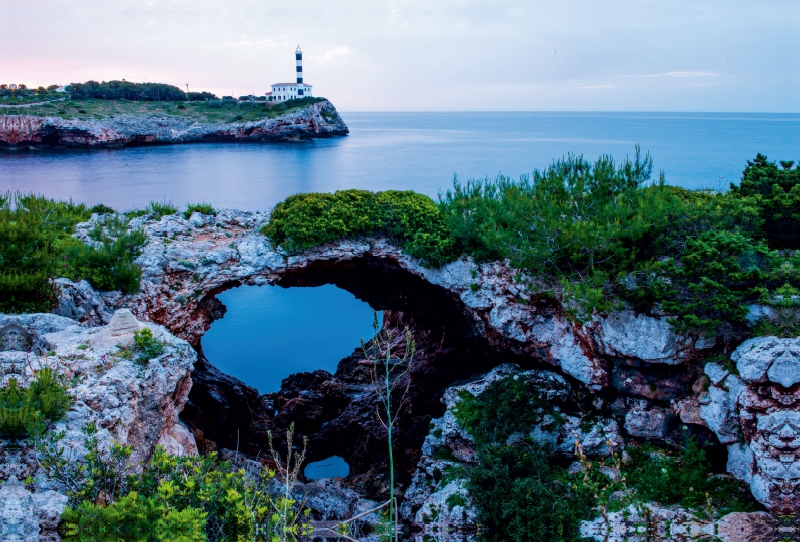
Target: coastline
[[317, 120]]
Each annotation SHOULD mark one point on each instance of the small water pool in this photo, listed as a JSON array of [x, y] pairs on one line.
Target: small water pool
[[332, 467], [271, 332]]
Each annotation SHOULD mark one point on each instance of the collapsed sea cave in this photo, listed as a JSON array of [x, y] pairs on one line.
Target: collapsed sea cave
[[337, 412]]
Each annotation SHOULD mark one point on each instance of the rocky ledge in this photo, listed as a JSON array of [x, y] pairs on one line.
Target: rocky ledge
[[316, 120], [625, 376], [131, 403]]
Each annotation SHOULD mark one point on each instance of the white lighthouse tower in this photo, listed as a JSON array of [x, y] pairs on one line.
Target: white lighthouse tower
[[290, 91], [298, 54]]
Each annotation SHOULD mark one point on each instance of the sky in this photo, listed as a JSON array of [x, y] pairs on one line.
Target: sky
[[436, 55]]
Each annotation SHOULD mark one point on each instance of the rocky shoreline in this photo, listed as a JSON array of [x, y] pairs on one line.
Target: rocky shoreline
[[625, 377], [317, 120]]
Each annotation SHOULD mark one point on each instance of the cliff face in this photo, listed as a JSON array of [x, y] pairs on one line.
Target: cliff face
[[627, 373], [313, 121]]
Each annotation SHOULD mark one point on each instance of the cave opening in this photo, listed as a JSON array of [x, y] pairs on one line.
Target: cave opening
[[335, 410]]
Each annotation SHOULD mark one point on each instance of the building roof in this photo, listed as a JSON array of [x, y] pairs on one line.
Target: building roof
[[290, 84]]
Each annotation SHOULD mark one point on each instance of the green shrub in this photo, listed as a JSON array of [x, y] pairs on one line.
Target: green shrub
[[684, 478], [171, 498], [202, 208], [146, 346], [455, 499], [133, 518], [412, 220], [31, 409], [101, 209], [36, 244], [142, 348], [776, 192], [578, 223], [521, 493], [160, 209], [506, 406]]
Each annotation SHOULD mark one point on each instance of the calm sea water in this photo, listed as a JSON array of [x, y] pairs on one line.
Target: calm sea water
[[269, 332], [418, 151]]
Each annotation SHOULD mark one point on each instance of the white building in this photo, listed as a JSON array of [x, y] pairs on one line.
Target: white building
[[288, 91]]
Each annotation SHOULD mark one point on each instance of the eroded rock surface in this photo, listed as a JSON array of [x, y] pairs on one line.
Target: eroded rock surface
[[313, 121], [131, 402]]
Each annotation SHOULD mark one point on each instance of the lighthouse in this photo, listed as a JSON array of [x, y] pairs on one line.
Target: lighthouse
[[298, 55], [291, 91]]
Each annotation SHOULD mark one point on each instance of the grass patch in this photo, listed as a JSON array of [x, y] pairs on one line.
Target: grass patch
[[208, 111], [161, 209], [202, 208]]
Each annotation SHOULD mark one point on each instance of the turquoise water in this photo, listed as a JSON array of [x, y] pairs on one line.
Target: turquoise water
[[269, 333], [331, 467]]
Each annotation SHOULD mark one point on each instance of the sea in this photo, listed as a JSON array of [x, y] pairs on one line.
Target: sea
[[270, 332]]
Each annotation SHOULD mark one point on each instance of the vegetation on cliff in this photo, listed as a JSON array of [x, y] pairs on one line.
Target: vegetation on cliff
[[108, 99], [31, 410], [412, 220], [171, 498], [523, 492], [596, 235], [207, 111], [36, 244]]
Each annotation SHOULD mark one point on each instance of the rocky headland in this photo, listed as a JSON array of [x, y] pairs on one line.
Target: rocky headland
[[622, 377], [316, 120]]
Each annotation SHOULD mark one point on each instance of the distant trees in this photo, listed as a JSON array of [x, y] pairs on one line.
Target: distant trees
[[126, 90], [200, 96]]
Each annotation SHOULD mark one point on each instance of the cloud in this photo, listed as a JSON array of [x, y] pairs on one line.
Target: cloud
[[682, 74], [592, 87], [327, 56]]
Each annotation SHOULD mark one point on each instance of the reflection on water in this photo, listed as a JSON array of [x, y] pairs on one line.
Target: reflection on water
[[271, 332], [331, 467]]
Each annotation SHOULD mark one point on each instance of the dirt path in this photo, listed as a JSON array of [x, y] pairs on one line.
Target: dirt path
[[31, 104]]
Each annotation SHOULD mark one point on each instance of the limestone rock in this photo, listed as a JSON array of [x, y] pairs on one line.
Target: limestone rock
[[632, 335], [132, 403], [758, 415], [648, 422], [18, 518], [78, 301], [655, 522]]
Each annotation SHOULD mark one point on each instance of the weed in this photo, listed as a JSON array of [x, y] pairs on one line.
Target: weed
[[202, 208], [455, 499], [161, 209]]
